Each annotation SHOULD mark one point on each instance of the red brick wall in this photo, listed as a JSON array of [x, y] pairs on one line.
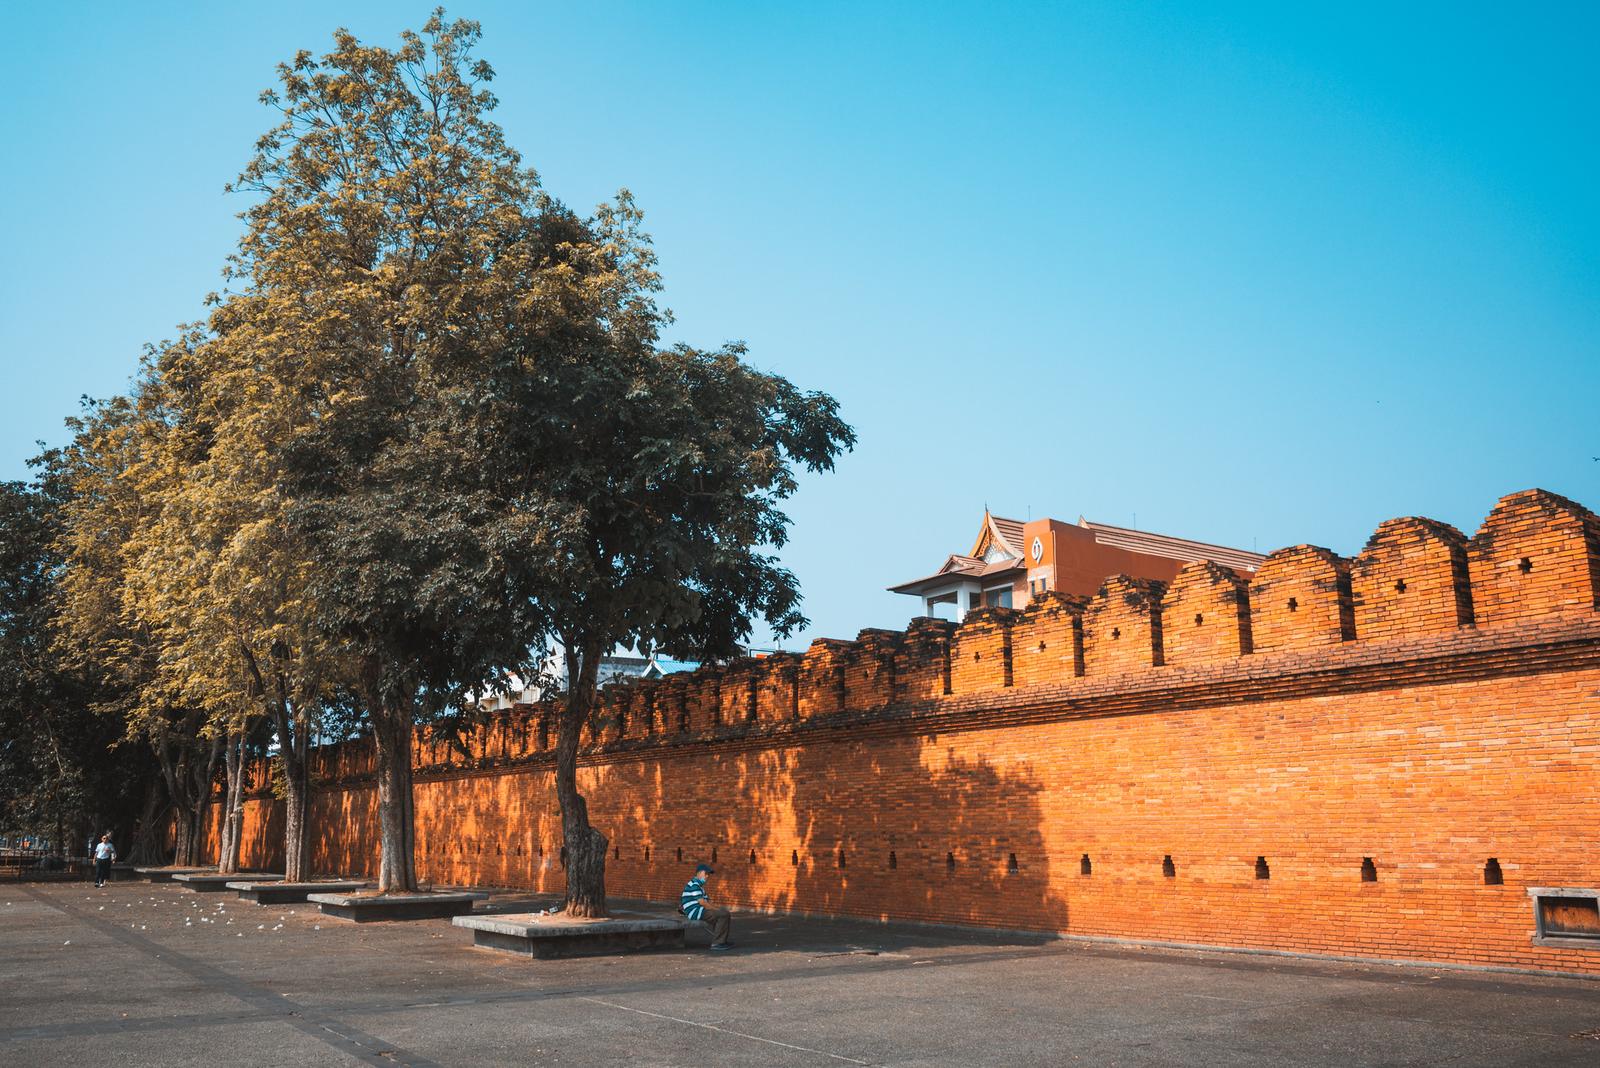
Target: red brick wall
[[1427, 748]]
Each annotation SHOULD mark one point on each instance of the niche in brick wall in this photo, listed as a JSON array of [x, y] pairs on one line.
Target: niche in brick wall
[[841, 859], [1492, 876], [1084, 867], [1369, 870], [1011, 863], [949, 862], [894, 861], [1169, 869], [752, 856], [794, 857], [1262, 871]]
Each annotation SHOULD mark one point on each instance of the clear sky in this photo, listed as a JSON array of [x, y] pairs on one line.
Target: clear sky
[[1256, 275]]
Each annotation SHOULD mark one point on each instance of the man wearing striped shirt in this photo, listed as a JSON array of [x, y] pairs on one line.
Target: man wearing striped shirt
[[695, 905]]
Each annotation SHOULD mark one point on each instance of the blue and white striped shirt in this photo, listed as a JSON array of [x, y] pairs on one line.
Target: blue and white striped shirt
[[693, 902]]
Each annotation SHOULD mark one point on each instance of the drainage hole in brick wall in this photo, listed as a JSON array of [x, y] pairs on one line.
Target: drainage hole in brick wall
[[841, 859], [647, 854], [1369, 870], [794, 857], [680, 854], [752, 856], [894, 861], [1199, 618], [1525, 566], [713, 854], [1169, 869], [1084, 867], [977, 656], [1011, 862], [1041, 647], [1262, 871], [950, 862], [1491, 873], [616, 852], [1293, 604], [1116, 632], [1400, 586]]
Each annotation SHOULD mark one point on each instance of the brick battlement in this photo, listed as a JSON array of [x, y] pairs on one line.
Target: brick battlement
[[1110, 765], [1536, 557]]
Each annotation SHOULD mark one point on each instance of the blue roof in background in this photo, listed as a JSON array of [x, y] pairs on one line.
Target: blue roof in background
[[669, 666]]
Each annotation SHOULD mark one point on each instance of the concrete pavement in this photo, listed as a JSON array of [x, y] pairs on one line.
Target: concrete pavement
[[142, 974]]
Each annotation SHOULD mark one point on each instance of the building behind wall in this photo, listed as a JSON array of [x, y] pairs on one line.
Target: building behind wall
[[1012, 562]]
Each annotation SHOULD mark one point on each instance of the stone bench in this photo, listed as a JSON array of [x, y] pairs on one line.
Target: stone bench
[[558, 935], [281, 893], [210, 882], [165, 874], [365, 907]]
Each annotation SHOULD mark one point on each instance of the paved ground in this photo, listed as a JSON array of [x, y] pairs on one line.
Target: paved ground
[[149, 975]]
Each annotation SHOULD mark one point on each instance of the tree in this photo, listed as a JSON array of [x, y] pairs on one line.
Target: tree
[[113, 475], [60, 771], [378, 264], [656, 478]]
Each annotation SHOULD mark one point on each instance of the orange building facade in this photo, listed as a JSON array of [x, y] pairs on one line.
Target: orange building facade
[[1012, 562], [1388, 757]]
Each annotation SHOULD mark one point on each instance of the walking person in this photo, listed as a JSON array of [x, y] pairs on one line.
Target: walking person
[[695, 905], [104, 854]]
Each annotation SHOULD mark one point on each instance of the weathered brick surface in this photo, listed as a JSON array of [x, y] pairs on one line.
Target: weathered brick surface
[[1047, 641], [922, 664], [1537, 552], [1411, 579], [1429, 749], [1205, 615], [868, 667], [980, 652], [777, 679], [737, 694], [1122, 627], [1300, 599], [822, 678]]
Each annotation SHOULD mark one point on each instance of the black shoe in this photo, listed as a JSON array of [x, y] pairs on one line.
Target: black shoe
[[721, 946]]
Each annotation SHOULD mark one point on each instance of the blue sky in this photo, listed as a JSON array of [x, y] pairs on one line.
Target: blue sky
[[1257, 274]]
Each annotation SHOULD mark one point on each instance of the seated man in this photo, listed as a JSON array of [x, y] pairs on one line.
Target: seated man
[[694, 905]]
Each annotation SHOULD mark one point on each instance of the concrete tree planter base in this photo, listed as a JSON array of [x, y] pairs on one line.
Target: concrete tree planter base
[[211, 883], [166, 874], [364, 908], [281, 893], [543, 937]]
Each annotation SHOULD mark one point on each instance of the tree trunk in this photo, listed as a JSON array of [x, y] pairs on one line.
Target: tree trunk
[[391, 734], [586, 847], [294, 824], [145, 849], [233, 807], [183, 852]]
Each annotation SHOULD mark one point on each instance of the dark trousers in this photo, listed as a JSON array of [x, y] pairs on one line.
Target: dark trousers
[[102, 871], [720, 921]]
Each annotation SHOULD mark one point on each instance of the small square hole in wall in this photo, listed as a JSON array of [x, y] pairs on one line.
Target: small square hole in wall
[[1525, 565], [1294, 604], [1199, 619], [1400, 586], [1084, 867]]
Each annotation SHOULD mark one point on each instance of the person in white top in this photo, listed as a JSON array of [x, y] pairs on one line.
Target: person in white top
[[104, 854]]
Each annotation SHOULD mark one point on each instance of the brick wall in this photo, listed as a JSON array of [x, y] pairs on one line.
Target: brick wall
[[1429, 706]]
